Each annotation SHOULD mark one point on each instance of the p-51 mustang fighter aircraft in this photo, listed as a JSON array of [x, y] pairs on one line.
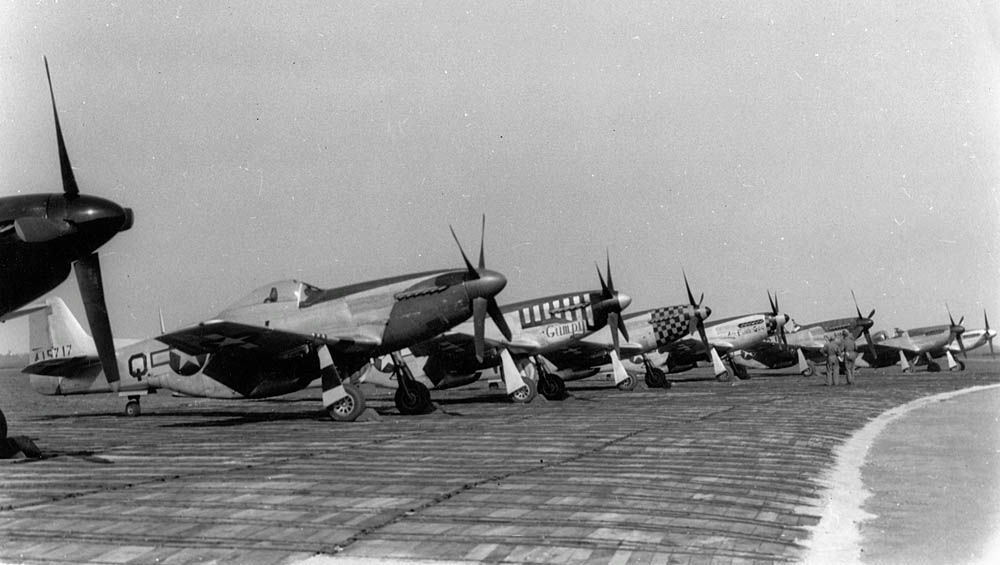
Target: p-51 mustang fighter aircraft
[[41, 235], [803, 344], [918, 345], [972, 339], [730, 336], [278, 339], [536, 328], [650, 330]]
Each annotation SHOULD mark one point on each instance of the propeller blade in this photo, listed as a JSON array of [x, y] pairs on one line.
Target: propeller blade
[[622, 328], [497, 316], [88, 276], [777, 309], [961, 345], [871, 314], [472, 270], [774, 308], [688, 287], [479, 305], [703, 335], [482, 244], [611, 285], [39, 230], [69, 181], [613, 324], [605, 292], [781, 334], [960, 320], [856, 307], [871, 343], [986, 321], [950, 319]]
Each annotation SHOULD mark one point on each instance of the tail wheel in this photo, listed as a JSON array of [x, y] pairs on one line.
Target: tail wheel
[[133, 409], [628, 384], [525, 394], [348, 409], [415, 400]]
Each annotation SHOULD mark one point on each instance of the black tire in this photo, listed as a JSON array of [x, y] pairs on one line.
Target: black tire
[[417, 402], [133, 409], [809, 372], [347, 409], [725, 376], [741, 372], [555, 387], [628, 385], [525, 394], [933, 367], [656, 378], [3, 427], [961, 366]]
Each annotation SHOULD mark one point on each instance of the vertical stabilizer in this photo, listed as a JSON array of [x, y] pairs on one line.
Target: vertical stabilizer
[[55, 327]]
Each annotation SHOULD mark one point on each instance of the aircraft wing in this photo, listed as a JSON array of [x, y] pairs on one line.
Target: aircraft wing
[[587, 354], [692, 348], [256, 341], [460, 347]]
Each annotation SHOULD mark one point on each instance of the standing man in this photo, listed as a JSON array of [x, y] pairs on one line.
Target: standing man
[[830, 349], [850, 353]]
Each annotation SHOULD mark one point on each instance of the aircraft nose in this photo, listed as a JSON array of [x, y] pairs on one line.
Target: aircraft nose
[[488, 285], [623, 300]]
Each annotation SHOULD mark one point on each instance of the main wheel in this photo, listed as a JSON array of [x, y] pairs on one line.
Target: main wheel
[[656, 378], [133, 409], [810, 371], [348, 409], [628, 384], [3, 427], [725, 376], [416, 399], [933, 367], [555, 388], [741, 372], [526, 393]]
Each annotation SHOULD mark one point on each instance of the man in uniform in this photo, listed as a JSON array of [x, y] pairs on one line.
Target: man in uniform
[[830, 349], [850, 353]]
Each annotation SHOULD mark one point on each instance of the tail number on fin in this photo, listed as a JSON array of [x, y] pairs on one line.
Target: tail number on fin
[[57, 352]]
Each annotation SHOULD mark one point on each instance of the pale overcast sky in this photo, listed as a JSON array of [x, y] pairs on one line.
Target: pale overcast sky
[[768, 145]]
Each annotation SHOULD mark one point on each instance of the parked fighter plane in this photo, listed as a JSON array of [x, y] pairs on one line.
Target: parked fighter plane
[[918, 345], [974, 338], [729, 336], [651, 330], [804, 344], [278, 339], [41, 235], [537, 327]]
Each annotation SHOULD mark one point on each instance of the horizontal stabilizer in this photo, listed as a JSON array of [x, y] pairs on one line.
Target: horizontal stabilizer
[[63, 367]]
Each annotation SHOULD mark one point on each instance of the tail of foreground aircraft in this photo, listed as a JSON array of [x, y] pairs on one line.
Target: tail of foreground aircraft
[[63, 358]]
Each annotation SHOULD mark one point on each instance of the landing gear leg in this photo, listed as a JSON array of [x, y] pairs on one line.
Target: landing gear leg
[[550, 386], [412, 397]]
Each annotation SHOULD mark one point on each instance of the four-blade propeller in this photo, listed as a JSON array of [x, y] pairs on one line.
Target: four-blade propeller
[[698, 314], [608, 292], [957, 330], [865, 323], [775, 313], [80, 223], [483, 285]]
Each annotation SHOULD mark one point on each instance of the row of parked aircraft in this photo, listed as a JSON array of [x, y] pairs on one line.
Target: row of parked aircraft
[[289, 334]]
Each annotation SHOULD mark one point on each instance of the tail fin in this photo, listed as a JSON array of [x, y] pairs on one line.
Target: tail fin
[[57, 340]]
